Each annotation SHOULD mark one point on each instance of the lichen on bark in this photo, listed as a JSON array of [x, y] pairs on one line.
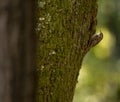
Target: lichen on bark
[[64, 30]]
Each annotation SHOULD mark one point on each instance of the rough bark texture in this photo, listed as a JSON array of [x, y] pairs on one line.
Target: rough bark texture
[[16, 51], [65, 28]]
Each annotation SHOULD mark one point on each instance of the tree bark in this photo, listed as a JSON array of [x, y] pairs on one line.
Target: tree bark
[[17, 50], [65, 30]]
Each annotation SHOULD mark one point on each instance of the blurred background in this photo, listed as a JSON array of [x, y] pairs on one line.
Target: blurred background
[[99, 79]]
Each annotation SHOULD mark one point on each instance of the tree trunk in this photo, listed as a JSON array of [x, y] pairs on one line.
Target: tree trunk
[[17, 50], [65, 31]]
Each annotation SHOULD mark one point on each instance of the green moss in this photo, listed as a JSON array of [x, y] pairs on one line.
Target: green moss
[[63, 31]]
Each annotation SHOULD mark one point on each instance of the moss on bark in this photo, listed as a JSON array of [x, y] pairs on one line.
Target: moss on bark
[[64, 30]]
